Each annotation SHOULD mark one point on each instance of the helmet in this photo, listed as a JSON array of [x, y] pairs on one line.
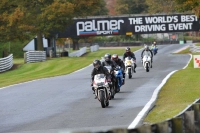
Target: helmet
[[154, 42], [128, 49], [146, 47], [115, 57], [96, 64], [107, 57]]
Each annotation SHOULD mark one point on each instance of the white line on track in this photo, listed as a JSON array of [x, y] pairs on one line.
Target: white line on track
[[150, 104]]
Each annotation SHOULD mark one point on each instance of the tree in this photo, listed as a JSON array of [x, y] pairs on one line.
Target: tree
[[102, 9], [188, 5], [131, 6], [23, 18], [160, 6]]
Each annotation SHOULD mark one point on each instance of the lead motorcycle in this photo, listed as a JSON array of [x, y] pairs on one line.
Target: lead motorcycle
[[146, 61], [119, 75], [102, 89], [129, 65], [112, 84]]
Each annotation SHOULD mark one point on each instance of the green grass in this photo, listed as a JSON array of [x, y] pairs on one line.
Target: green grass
[[181, 90], [198, 44], [52, 67]]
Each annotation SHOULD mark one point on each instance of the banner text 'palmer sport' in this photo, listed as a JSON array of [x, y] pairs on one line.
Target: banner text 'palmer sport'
[[132, 25]]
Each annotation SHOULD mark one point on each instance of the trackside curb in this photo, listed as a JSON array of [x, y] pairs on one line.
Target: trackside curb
[[151, 102]]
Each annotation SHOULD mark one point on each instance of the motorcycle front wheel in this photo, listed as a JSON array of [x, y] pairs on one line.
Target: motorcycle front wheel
[[147, 67], [129, 73], [102, 99]]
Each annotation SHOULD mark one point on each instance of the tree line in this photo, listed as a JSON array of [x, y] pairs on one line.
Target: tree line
[[23, 19]]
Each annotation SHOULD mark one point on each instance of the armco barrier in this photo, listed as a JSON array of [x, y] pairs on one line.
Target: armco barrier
[[34, 56], [194, 48], [94, 48], [6, 63], [78, 53]]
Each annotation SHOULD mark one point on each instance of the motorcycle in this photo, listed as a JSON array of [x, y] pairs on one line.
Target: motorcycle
[[129, 65], [101, 88], [154, 50], [111, 84], [119, 75], [146, 61]]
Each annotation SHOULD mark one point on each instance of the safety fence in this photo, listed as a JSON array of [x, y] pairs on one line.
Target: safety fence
[[94, 48], [34, 56], [79, 52], [6, 63], [194, 48]]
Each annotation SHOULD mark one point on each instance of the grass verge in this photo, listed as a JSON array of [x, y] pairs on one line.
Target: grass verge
[[52, 67], [181, 90]]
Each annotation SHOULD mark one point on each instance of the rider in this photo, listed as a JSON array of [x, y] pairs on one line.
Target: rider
[[120, 63], [128, 53], [147, 51], [108, 62], [154, 45], [99, 69]]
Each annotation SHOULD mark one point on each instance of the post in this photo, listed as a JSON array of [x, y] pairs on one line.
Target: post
[[176, 125], [68, 43], [160, 127], [189, 122], [196, 108]]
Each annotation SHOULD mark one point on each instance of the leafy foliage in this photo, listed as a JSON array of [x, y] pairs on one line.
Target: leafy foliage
[[189, 5], [160, 6], [131, 6], [23, 18]]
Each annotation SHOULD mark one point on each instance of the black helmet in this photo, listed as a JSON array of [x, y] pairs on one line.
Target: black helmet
[[115, 57], [96, 64], [107, 57], [128, 49]]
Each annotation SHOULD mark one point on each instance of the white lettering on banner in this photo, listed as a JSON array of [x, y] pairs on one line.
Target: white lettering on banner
[[145, 28], [135, 21], [180, 26], [156, 20], [96, 27], [188, 18], [104, 32]]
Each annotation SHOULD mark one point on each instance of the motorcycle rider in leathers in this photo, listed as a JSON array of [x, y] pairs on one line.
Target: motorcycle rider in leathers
[[120, 63], [108, 62], [147, 51], [99, 69], [128, 53]]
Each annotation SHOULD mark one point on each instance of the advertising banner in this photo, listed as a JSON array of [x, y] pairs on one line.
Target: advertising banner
[[130, 25], [196, 61]]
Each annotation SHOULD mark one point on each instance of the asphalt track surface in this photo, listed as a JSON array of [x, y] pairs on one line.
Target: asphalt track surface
[[66, 103]]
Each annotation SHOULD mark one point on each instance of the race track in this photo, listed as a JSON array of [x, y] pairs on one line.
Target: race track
[[66, 103]]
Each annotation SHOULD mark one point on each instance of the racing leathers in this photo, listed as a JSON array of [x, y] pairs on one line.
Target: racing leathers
[[113, 65], [132, 55], [120, 63]]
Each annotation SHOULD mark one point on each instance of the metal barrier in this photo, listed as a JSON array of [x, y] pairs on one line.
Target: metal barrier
[[194, 48], [6, 63], [34, 56], [78, 53], [94, 48]]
